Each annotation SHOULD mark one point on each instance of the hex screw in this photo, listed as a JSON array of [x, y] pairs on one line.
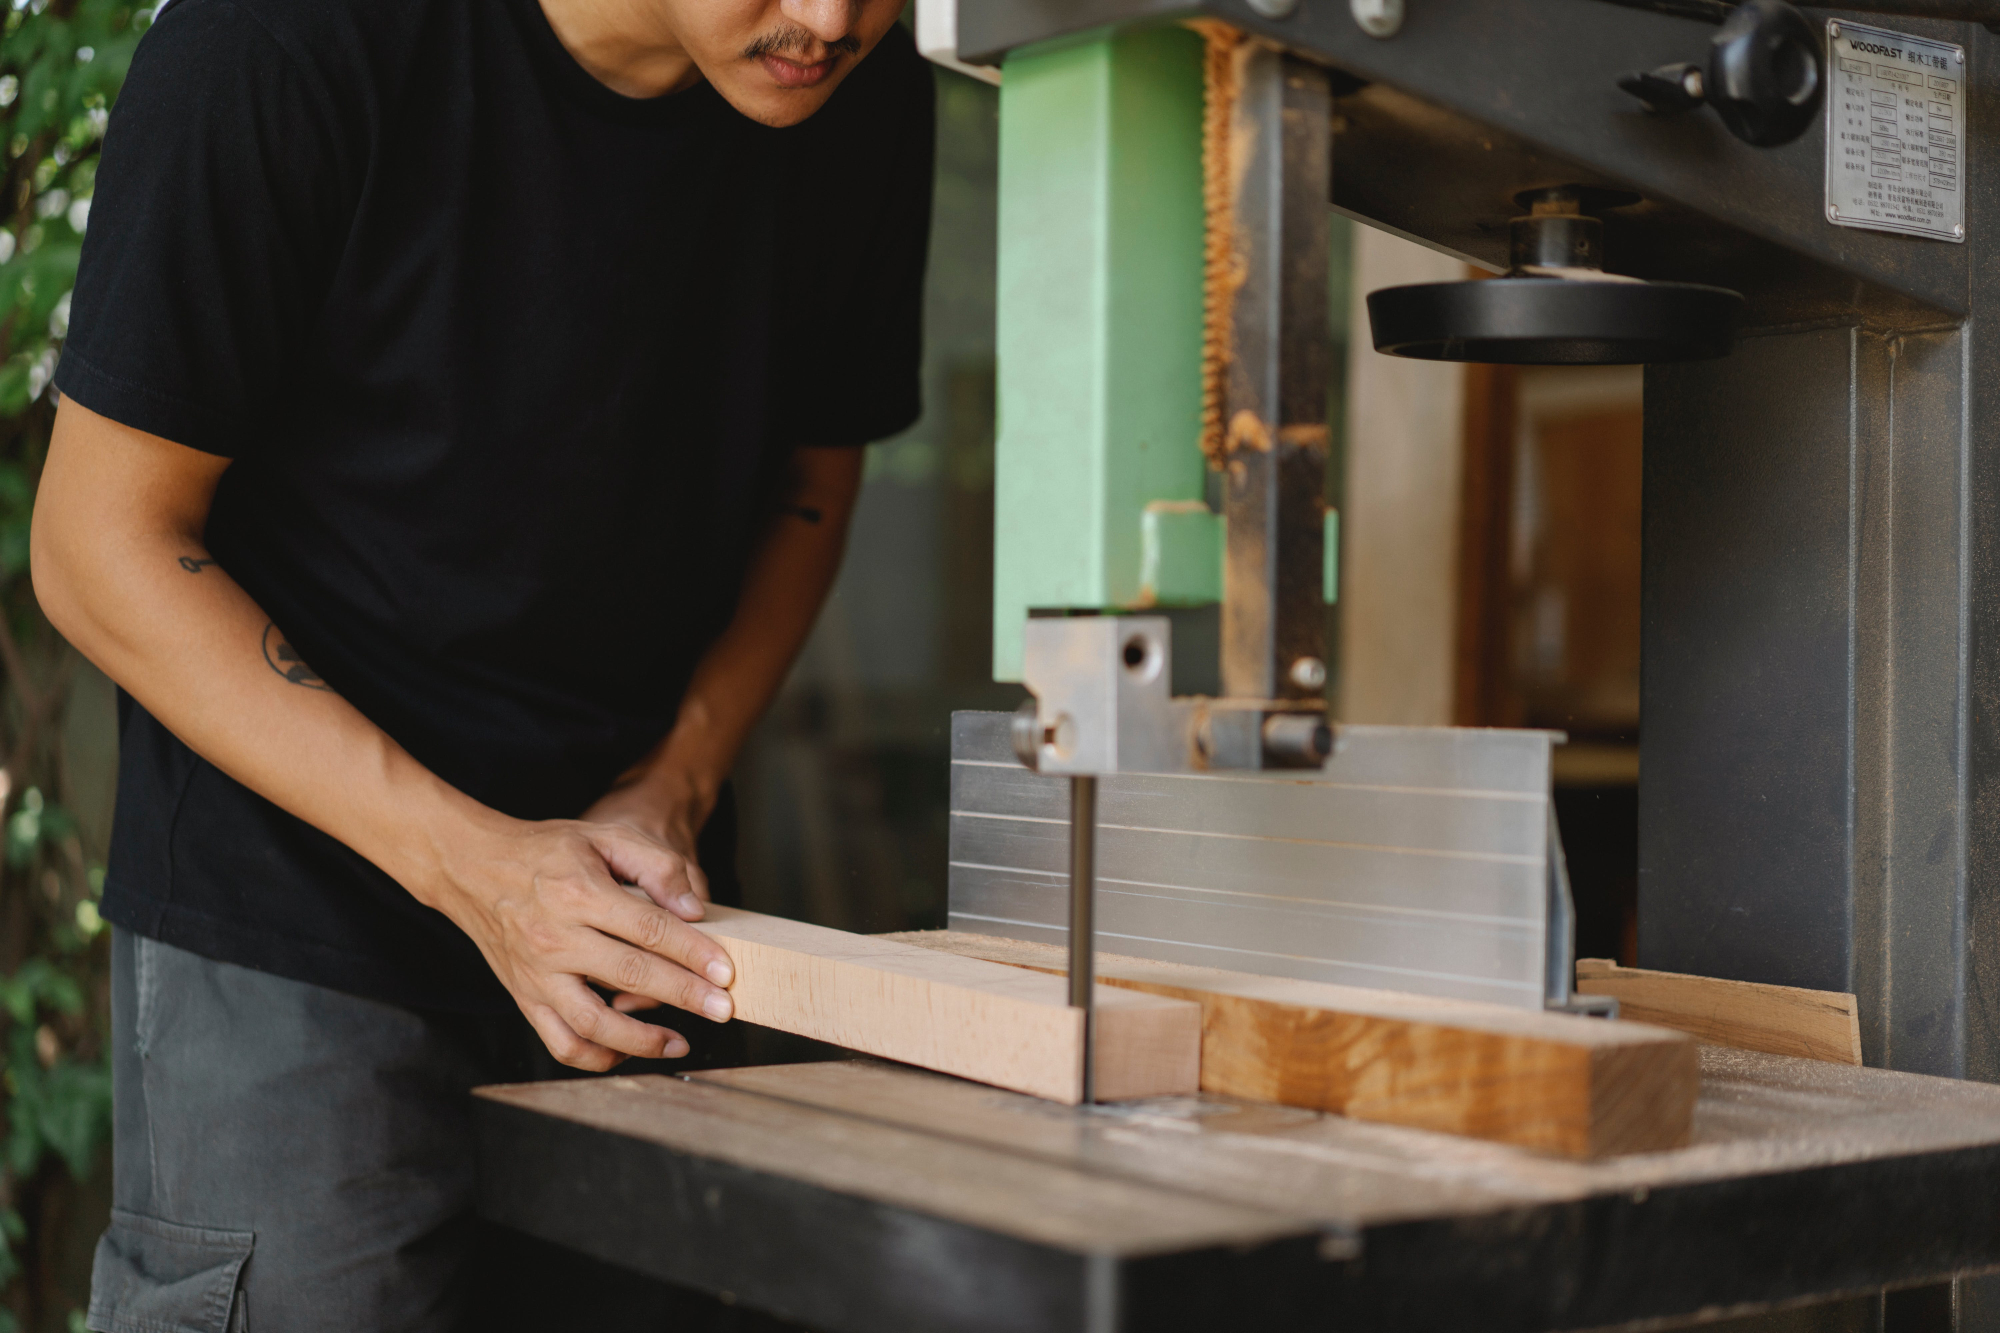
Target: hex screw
[[1309, 673]]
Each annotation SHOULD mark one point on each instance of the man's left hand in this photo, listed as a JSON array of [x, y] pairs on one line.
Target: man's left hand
[[673, 819]]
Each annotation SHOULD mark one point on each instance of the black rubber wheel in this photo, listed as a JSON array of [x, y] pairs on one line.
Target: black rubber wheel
[[1555, 321]]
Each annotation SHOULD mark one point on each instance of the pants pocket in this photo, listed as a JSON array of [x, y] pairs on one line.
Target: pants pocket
[[160, 1277]]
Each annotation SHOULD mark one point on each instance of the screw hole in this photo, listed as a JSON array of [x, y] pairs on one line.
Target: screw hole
[[1136, 652]]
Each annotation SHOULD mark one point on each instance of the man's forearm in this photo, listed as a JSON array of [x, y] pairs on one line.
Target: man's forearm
[[138, 594], [783, 590], [121, 570]]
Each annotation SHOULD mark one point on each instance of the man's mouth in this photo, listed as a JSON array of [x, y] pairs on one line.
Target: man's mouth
[[794, 74]]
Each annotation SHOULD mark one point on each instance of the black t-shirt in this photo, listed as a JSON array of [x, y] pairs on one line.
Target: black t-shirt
[[510, 366]]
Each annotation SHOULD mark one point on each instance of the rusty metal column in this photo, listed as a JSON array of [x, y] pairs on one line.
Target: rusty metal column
[[1279, 352]]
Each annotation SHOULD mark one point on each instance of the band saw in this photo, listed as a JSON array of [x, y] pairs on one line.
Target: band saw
[[1786, 215]]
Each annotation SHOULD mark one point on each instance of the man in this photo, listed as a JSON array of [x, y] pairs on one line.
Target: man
[[456, 445]]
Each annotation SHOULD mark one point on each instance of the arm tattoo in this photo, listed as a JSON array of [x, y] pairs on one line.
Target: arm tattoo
[[194, 565], [284, 659]]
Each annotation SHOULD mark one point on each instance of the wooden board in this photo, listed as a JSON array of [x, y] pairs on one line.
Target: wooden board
[[1779, 1020], [958, 1015], [1558, 1083]]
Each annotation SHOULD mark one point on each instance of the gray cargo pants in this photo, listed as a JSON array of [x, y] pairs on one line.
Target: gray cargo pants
[[289, 1159]]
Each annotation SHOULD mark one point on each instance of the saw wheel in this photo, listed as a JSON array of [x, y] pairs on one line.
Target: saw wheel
[[1555, 321]]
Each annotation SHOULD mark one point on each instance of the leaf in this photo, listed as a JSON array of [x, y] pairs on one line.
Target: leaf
[[20, 992], [76, 1113]]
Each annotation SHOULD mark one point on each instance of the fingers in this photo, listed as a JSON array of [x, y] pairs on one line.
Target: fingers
[[627, 916], [565, 1045], [673, 881], [625, 1002], [617, 966], [599, 1031]]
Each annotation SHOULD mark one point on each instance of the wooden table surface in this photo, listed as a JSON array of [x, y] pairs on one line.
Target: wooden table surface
[[860, 1195]]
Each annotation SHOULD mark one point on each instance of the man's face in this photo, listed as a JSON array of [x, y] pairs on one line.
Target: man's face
[[777, 61]]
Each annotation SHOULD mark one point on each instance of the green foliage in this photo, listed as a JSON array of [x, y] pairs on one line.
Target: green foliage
[[61, 64], [59, 71]]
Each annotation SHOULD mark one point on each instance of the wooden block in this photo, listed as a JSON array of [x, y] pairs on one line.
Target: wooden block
[[957, 1015], [1779, 1020], [1558, 1083]]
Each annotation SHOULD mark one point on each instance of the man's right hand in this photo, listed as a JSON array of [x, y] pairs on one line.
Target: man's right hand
[[554, 905], [120, 568]]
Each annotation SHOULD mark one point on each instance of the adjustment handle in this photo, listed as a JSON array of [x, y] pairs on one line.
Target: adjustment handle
[[1764, 75], [1668, 90]]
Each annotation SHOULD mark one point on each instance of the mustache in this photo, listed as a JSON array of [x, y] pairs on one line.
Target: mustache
[[788, 39]]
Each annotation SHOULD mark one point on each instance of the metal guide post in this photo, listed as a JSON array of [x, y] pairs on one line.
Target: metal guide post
[[1082, 922], [1279, 347]]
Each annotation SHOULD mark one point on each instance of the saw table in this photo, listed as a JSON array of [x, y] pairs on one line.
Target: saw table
[[862, 1197]]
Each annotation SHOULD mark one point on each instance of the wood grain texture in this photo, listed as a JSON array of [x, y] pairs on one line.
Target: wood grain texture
[[957, 1015], [1779, 1020], [1557, 1083]]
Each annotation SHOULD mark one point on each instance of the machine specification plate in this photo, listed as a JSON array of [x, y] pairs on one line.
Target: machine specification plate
[[1895, 149]]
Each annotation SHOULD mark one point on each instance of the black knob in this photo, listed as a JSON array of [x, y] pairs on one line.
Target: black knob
[[1764, 76], [1668, 90]]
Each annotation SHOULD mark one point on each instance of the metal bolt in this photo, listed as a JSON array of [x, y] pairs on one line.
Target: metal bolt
[[1059, 741], [1833, 213], [1833, 29], [1026, 733], [1958, 229], [1309, 673], [1297, 738], [1274, 9], [1378, 18]]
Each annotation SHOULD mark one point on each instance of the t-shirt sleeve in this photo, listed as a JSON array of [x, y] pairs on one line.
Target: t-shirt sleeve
[[216, 215], [859, 380]]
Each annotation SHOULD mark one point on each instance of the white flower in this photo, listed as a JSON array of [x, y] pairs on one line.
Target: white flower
[[98, 118], [59, 318], [39, 376], [79, 217], [6, 245], [52, 203], [10, 88], [85, 54]]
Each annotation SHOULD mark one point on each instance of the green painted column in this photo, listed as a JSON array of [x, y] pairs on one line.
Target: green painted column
[[1099, 323]]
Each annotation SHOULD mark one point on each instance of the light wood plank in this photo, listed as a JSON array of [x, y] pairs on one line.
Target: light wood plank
[[958, 1015], [1779, 1020], [1558, 1083]]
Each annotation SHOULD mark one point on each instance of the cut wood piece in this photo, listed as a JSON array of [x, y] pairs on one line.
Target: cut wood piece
[[1779, 1020], [1558, 1083], [957, 1015]]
